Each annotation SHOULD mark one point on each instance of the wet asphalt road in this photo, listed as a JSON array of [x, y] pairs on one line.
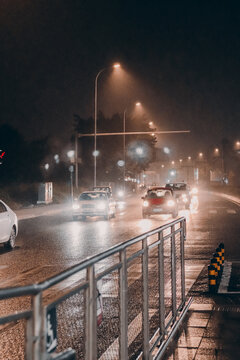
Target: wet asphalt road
[[49, 244]]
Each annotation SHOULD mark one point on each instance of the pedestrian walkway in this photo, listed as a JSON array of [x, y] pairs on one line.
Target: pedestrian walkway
[[211, 329]]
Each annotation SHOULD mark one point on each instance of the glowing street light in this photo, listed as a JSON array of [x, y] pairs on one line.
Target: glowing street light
[[189, 157], [150, 123], [166, 150], [115, 66], [200, 155], [173, 162], [139, 151], [46, 166], [180, 160]]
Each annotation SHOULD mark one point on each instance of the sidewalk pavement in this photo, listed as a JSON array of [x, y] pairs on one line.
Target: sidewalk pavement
[[211, 328]]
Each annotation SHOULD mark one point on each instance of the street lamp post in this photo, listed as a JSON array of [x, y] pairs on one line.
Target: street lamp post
[[116, 66], [124, 144]]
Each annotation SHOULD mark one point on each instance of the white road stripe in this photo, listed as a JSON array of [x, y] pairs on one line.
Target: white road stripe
[[231, 211], [223, 287], [134, 328]]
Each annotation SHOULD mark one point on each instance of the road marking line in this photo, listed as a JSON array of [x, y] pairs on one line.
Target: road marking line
[[212, 211], [223, 287], [134, 328], [231, 211]]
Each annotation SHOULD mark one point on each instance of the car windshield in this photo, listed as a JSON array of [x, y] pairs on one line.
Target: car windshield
[[158, 193], [92, 196], [177, 186], [102, 188]]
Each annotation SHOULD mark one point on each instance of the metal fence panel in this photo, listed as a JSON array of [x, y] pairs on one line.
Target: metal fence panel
[[116, 305]]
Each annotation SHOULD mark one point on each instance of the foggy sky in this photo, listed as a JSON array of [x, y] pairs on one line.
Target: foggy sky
[[181, 57]]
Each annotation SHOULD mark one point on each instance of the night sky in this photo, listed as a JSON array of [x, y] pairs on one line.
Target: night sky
[[182, 59]]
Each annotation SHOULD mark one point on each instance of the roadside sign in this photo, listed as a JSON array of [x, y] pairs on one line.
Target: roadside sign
[[99, 308], [51, 341]]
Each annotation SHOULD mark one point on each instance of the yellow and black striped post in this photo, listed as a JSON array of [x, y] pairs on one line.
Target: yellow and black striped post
[[215, 264], [221, 246], [212, 282], [216, 256], [219, 252]]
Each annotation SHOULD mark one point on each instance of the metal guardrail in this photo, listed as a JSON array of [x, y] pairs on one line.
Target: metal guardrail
[[142, 283]]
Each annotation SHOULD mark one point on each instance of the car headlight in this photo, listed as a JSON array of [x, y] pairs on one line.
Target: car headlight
[[120, 193], [145, 203], [194, 191], [75, 206], [101, 206], [170, 203]]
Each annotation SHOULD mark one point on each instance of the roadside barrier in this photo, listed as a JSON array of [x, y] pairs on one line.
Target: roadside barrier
[[126, 302], [215, 269]]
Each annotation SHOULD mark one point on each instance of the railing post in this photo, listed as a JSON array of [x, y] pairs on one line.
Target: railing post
[[145, 322], [161, 286], [183, 235], [34, 329], [91, 315], [173, 263], [123, 290]]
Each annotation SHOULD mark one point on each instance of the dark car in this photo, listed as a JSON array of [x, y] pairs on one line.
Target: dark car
[[159, 200], [181, 192]]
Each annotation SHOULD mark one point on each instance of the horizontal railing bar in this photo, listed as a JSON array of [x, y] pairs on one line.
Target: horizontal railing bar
[[151, 246], [134, 256], [14, 317], [36, 288], [76, 290], [108, 271]]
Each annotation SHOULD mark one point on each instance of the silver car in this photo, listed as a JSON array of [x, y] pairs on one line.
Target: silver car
[[94, 203], [8, 226]]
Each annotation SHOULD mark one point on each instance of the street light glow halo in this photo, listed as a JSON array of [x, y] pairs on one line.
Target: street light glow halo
[[117, 66]]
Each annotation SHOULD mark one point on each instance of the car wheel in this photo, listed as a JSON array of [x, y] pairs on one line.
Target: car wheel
[[12, 240]]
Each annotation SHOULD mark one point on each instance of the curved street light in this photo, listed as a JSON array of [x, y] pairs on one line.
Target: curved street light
[[115, 66]]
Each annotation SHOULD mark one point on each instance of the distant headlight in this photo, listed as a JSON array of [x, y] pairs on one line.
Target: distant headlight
[[170, 203], [75, 206], [194, 191], [120, 193], [145, 203], [101, 206]]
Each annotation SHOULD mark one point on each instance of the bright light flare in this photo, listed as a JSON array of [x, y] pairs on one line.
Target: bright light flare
[[145, 203], [117, 66]]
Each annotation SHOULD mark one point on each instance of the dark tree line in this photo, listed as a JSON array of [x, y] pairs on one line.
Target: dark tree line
[[22, 160]]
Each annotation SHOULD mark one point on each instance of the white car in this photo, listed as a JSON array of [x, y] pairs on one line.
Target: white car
[[94, 203], [8, 226]]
